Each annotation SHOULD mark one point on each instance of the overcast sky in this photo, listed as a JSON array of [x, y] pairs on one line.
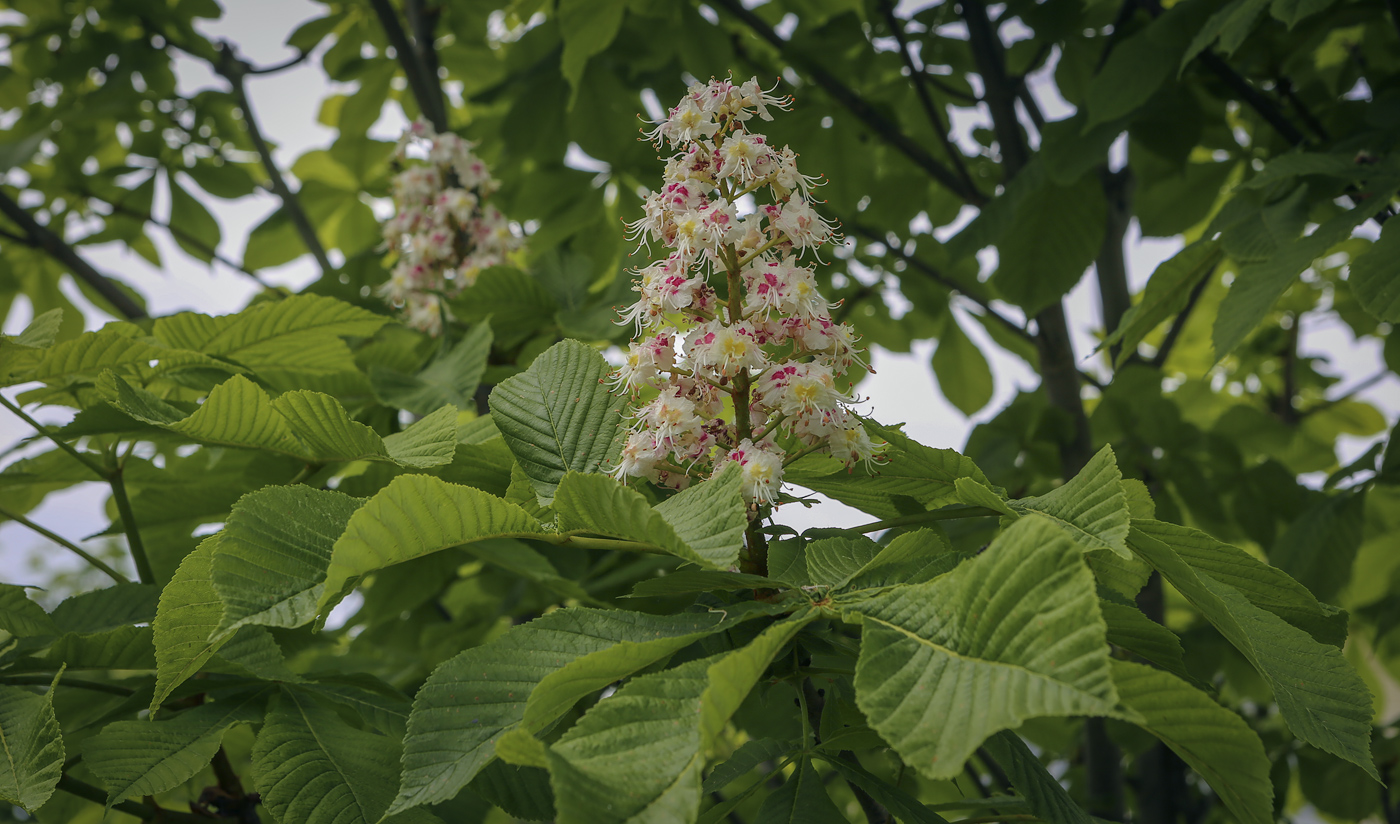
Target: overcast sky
[[902, 390]]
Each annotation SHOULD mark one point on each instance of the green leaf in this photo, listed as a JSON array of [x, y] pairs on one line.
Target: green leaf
[[912, 470], [516, 304], [1166, 294], [416, 515], [749, 755], [589, 27], [1214, 741], [1266, 587], [963, 375], [313, 768], [1131, 74], [188, 614], [21, 617], [911, 558], [1053, 238], [1130, 629], [1259, 284], [269, 568], [103, 609], [833, 562], [1092, 507], [688, 581], [1013, 634], [1044, 795], [1230, 25], [31, 747], [136, 758], [116, 345], [1323, 700], [450, 379], [1374, 277], [558, 416], [801, 800], [904, 806], [472, 699], [191, 225], [639, 754], [703, 524], [41, 331], [285, 342], [428, 442]]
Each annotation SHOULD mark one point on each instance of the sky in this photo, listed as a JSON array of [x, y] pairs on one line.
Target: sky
[[901, 390]]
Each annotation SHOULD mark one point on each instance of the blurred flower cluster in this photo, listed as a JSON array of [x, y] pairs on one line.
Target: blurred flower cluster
[[736, 354], [443, 233]]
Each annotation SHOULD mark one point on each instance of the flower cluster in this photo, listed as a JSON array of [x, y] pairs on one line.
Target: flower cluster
[[442, 233], [736, 349]]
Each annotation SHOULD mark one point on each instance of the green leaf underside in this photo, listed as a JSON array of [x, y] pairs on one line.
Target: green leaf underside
[[703, 524], [1092, 506], [1013, 634], [31, 747], [801, 800], [309, 426], [270, 566], [558, 416], [1322, 699], [137, 758], [473, 698], [413, 516], [189, 612], [1130, 629], [639, 754], [1214, 741], [913, 470]]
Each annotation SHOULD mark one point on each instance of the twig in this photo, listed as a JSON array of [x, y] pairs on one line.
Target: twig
[[97, 470], [233, 70], [1255, 99], [1285, 87], [1182, 318], [933, 80], [42, 237], [76, 683], [999, 91], [918, 77], [853, 102], [84, 790], [301, 56], [66, 544], [118, 208], [427, 91], [133, 535]]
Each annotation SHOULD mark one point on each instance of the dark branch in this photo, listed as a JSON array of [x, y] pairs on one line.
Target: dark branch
[[1252, 97], [1182, 318], [919, 79], [853, 102], [82, 789], [189, 239], [957, 94], [41, 237], [233, 70], [301, 57], [426, 90], [1111, 266], [999, 89]]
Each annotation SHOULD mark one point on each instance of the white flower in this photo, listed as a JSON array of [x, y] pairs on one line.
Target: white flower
[[738, 154], [639, 456], [725, 349], [852, 444], [761, 470], [801, 224], [670, 417], [645, 361], [811, 388]]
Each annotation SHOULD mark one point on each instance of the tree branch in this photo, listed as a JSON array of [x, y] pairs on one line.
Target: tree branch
[[42, 237], [918, 77], [999, 90], [301, 56], [1111, 266], [426, 90], [191, 240], [133, 534], [853, 102], [233, 70], [65, 543]]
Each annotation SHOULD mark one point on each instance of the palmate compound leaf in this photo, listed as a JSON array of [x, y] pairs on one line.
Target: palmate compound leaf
[[136, 758], [1214, 741], [527, 678], [310, 426], [558, 416], [269, 568], [703, 524], [31, 746], [912, 470], [1013, 634], [639, 754], [1323, 700], [313, 768], [413, 516]]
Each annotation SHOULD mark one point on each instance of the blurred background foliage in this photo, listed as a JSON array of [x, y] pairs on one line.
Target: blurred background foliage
[[984, 160]]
